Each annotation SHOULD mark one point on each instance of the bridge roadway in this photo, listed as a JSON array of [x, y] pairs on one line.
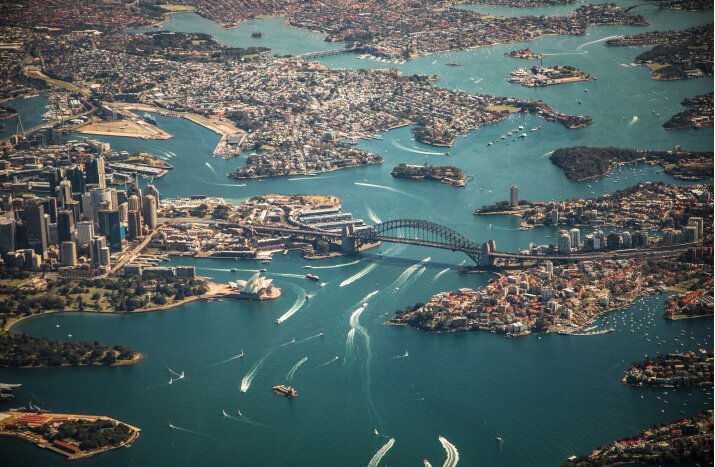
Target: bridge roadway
[[659, 251]]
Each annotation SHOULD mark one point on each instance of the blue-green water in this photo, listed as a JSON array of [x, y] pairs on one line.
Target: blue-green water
[[30, 109], [547, 398]]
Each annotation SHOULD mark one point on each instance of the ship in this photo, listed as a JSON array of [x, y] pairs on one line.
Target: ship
[[150, 119], [312, 277], [285, 391]]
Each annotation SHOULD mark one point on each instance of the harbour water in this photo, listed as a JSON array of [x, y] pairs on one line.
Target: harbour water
[[546, 398]]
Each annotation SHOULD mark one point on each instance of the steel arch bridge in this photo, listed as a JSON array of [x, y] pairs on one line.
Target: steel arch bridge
[[421, 232]]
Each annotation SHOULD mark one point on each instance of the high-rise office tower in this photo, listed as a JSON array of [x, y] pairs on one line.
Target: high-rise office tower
[[36, 224], [68, 254], [65, 226], [149, 210], [7, 235], [514, 196]]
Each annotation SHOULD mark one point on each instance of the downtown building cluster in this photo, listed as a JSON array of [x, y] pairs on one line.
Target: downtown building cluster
[[79, 224]]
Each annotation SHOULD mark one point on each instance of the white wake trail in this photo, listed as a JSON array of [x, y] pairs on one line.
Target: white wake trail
[[382, 187], [330, 361], [173, 372], [415, 150], [349, 345], [230, 359], [373, 217], [174, 427], [452, 453], [375, 461], [581, 47], [293, 309], [427, 464], [211, 168], [633, 121], [248, 379], [289, 376], [358, 275], [441, 273], [337, 265]]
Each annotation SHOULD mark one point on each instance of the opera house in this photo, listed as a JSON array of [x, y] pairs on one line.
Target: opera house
[[255, 288]]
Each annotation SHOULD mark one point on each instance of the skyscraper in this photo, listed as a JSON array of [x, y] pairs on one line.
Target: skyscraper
[[7, 235], [575, 235], [68, 254], [109, 226], [65, 226], [85, 233], [36, 223], [149, 208], [564, 243], [514, 198], [95, 171], [134, 224], [76, 177]]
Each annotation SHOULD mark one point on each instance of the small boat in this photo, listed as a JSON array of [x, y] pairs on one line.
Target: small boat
[[322, 333], [307, 267], [234, 269], [263, 270], [268, 261], [499, 439], [312, 277], [285, 391]]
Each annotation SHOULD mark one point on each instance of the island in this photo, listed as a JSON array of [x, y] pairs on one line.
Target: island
[[688, 440], [686, 370], [582, 163], [547, 76], [526, 53], [73, 436], [23, 351], [699, 114], [447, 174]]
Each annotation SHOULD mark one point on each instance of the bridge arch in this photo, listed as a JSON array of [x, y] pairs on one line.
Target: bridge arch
[[421, 232]]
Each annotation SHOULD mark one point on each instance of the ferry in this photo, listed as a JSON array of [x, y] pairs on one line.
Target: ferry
[[285, 391], [150, 119], [312, 277]]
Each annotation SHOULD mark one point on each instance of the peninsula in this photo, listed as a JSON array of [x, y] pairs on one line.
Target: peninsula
[[73, 436], [448, 175], [685, 441], [583, 163], [688, 370], [698, 114], [22, 351], [560, 299]]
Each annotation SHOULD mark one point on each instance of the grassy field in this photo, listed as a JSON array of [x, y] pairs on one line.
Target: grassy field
[[176, 8], [500, 108]]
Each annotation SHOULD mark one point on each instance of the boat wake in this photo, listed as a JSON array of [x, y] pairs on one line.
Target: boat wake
[[402, 278], [309, 338], [452, 453], [441, 273], [248, 379], [174, 427], [230, 359], [405, 355], [382, 187], [337, 265], [633, 121], [546, 154], [289, 376], [415, 150], [211, 168], [375, 461], [358, 275], [582, 46], [333, 360], [293, 309], [373, 217], [241, 418], [173, 372], [427, 464], [349, 345]]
